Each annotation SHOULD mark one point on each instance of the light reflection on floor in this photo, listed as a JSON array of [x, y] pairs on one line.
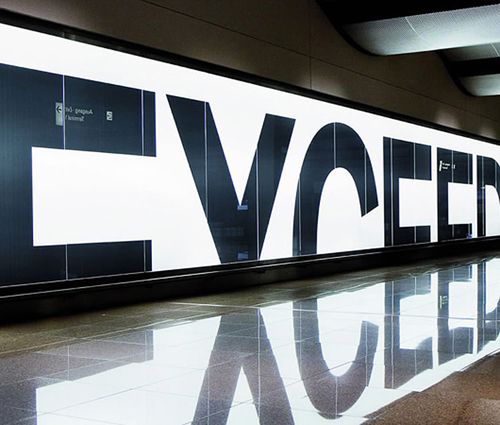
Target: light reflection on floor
[[334, 358]]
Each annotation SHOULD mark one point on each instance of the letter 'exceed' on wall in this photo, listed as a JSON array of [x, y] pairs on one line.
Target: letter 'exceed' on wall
[[114, 163]]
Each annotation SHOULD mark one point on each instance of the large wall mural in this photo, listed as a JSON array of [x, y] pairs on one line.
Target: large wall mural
[[113, 163]]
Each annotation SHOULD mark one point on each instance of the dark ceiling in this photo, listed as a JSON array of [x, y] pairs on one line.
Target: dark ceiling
[[465, 33]]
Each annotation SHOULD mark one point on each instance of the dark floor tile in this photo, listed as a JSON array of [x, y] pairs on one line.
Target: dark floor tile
[[417, 409], [100, 350], [483, 386], [489, 367], [29, 421], [481, 412], [139, 337], [99, 366], [10, 415], [17, 344], [32, 365], [23, 394]]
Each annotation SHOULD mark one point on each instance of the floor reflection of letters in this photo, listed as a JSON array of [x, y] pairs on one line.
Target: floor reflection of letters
[[429, 320], [488, 298], [402, 363], [331, 395], [342, 355], [242, 343], [455, 337], [457, 303]]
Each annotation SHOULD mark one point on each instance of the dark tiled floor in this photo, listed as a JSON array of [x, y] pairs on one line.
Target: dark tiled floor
[[338, 349], [468, 397]]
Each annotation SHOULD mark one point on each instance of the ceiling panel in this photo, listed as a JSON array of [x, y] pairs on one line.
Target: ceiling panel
[[466, 33], [433, 31]]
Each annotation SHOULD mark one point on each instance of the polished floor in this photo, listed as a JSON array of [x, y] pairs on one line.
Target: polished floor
[[334, 350]]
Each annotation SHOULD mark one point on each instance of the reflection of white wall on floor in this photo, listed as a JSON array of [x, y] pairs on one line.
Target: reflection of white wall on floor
[[492, 269], [417, 321], [463, 312], [340, 224], [492, 211], [340, 331], [110, 395]]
